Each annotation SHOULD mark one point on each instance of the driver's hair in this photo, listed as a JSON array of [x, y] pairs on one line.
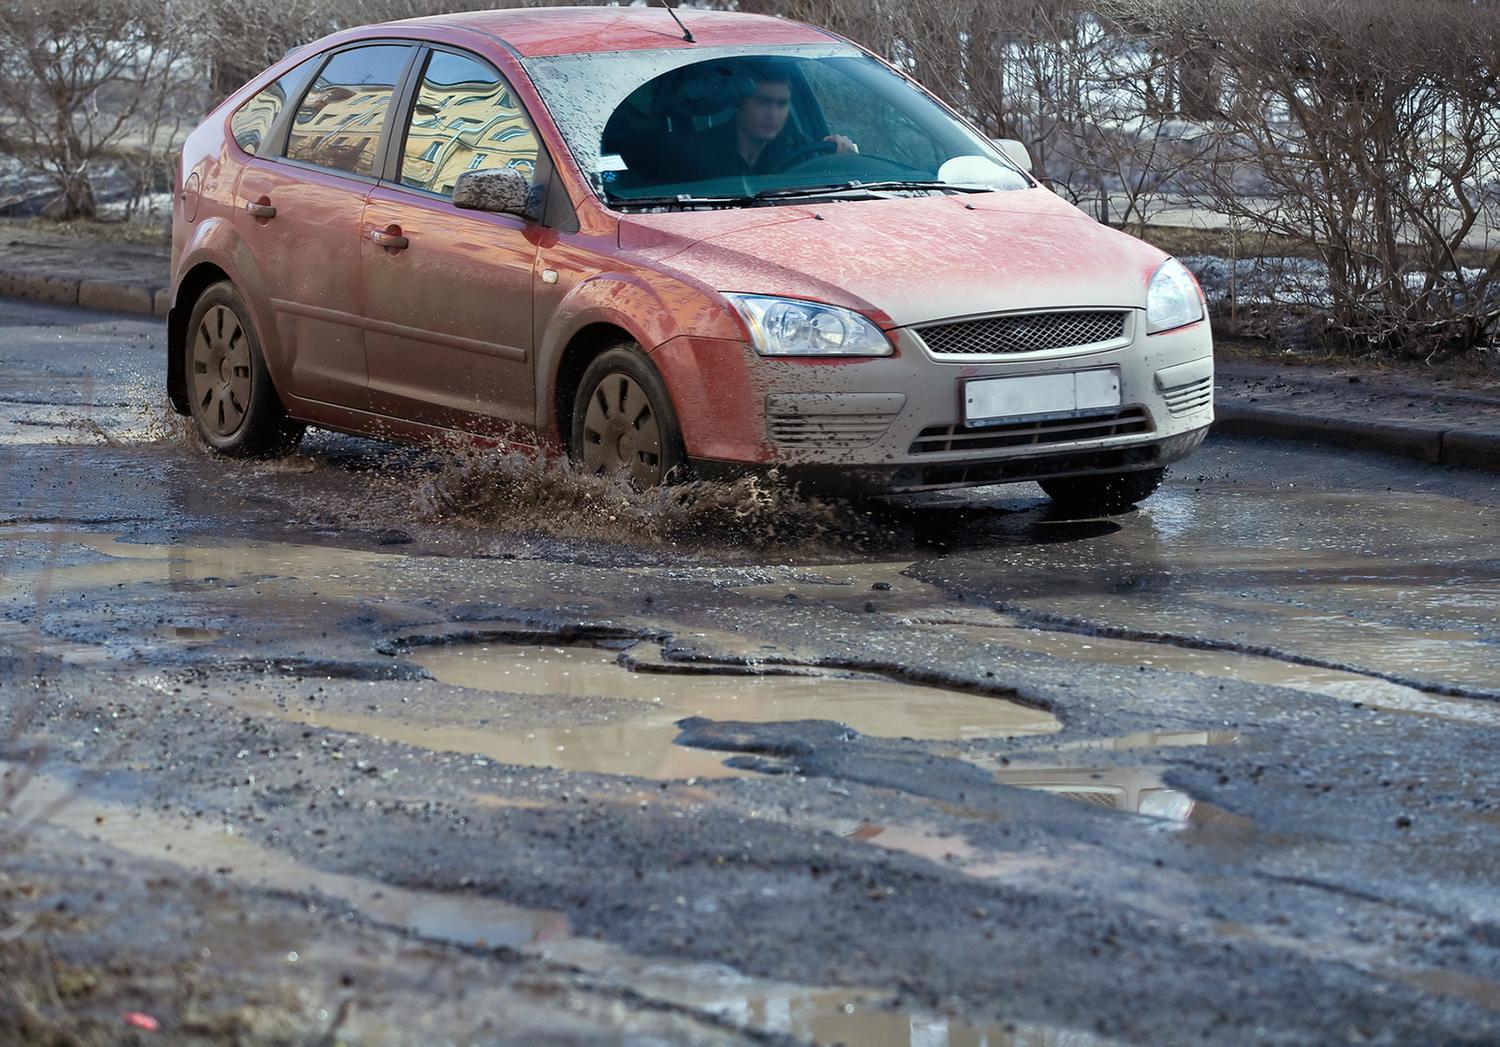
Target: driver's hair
[[766, 73]]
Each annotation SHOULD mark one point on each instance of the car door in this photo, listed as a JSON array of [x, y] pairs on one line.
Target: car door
[[299, 205], [448, 292]]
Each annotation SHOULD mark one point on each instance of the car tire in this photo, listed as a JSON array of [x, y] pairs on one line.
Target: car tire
[[235, 407], [1108, 493], [623, 421]]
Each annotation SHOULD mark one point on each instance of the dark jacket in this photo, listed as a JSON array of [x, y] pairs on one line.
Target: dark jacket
[[715, 153]]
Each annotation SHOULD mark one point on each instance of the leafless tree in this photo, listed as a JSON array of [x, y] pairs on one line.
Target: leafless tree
[[79, 83], [1363, 132]]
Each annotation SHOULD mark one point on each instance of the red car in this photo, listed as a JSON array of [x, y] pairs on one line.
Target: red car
[[739, 244]]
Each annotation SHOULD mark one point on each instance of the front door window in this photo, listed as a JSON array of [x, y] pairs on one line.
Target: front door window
[[464, 118]]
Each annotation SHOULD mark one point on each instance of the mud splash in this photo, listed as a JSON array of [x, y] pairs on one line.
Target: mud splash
[[529, 492]]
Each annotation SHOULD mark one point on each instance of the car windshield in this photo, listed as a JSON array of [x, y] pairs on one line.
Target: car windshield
[[736, 126]]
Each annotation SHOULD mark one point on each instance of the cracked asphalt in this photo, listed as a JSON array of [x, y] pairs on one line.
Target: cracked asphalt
[[348, 748]]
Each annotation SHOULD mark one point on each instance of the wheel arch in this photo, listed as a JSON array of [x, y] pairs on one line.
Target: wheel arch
[[189, 289], [586, 344]]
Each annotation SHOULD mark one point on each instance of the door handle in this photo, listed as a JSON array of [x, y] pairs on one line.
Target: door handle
[[261, 209], [390, 238]]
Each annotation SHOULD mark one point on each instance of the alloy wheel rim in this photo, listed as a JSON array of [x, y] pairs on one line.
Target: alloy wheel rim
[[621, 433], [221, 371]]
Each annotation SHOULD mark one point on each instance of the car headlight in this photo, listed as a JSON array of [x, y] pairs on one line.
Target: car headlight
[[1172, 298], [792, 327]]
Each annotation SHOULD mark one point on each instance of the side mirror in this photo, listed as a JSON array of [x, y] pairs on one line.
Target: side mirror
[[1015, 152], [499, 190]]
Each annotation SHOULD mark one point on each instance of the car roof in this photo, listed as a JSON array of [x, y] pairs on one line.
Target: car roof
[[534, 32]]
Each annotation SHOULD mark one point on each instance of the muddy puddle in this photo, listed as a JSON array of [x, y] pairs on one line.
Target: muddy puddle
[[1356, 637], [639, 740], [217, 849], [1133, 790], [859, 1017], [1230, 665], [1130, 789], [333, 571], [824, 1015], [1404, 586]]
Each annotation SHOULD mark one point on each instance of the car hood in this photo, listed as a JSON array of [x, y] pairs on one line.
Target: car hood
[[909, 260]]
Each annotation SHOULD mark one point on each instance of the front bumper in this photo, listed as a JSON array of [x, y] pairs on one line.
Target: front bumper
[[897, 423]]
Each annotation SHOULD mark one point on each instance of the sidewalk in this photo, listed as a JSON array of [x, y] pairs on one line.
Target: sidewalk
[[69, 269], [1414, 415], [1433, 419]]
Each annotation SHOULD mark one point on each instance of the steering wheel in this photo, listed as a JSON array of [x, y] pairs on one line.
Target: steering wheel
[[805, 153]]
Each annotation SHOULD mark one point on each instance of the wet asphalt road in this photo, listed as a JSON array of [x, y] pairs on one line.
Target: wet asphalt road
[[950, 769]]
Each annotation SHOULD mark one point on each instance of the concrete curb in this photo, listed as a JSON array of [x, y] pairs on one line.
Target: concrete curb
[[1461, 448], [141, 299]]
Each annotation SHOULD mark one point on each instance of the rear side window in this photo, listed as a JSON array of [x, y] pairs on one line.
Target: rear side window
[[464, 118], [252, 122], [339, 122]]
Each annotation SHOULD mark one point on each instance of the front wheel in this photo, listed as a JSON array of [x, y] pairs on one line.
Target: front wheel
[[1107, 493], [235, 407], [623, 422]]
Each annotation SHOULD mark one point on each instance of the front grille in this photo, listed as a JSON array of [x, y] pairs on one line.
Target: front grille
[[1024, 333], [849, 430], [1194, 396], [936, 439]]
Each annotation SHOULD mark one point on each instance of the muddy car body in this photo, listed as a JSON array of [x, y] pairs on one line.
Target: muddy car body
[[852, 319]]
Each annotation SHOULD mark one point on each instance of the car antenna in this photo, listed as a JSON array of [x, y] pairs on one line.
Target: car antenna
[[686, 35]]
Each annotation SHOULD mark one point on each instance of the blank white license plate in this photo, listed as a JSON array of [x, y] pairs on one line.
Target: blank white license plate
[[989, 401]]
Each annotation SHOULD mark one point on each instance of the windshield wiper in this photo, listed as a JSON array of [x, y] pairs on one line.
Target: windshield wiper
[[864, 190], [683, 200], [843, 188]]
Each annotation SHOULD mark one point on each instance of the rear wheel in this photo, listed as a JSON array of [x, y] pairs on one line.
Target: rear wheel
[[623, 422], [235, 407], [1108, 493]]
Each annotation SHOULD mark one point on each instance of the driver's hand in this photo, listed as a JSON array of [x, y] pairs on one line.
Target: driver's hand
[[843, 143]]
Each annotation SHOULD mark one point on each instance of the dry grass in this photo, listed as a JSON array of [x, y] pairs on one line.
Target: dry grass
[[151, 234]]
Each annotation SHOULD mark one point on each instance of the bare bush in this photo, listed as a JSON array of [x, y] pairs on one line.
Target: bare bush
[[79, 83], [1369, 132]]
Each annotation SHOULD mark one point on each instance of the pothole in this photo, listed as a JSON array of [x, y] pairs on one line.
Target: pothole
[[640, 740], [1137, 789]]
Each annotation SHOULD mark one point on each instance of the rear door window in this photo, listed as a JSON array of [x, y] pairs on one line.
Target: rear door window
[[252, 122], [464, 118], [339, 123]]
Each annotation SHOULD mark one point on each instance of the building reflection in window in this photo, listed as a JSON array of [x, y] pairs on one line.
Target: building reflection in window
[[464, 118], [339, 122]]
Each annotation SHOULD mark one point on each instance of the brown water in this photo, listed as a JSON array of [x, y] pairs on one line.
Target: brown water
[[640, 740]]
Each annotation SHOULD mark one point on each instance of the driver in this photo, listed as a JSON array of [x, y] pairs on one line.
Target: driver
[[757, 140]]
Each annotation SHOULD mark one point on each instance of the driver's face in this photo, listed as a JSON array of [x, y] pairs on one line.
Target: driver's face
[[763, 112]]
